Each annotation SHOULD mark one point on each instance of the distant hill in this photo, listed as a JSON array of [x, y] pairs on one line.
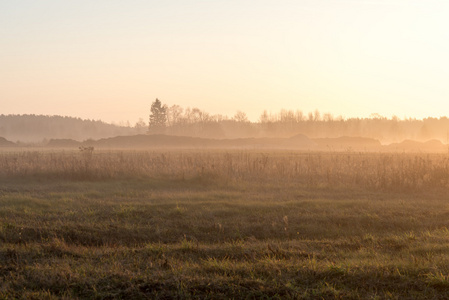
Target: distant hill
[[348, 143], [5, 143], [151, 141], [414, 146], [297, 142], [300, 142], [63, 143], [36, 128]]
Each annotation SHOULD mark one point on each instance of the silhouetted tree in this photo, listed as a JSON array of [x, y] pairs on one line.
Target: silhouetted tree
[[140, 124], [174, 115], [264, 117], [158, 116], [241, 117]]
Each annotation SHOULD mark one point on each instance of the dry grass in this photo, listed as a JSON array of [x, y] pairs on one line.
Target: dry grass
[[367, 170], [223, 225]]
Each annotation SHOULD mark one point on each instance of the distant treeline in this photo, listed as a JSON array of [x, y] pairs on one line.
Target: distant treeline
[[286, 123], [198, 123], [38, 128]]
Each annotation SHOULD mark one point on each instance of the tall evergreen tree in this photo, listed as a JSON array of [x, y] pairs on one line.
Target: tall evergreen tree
[[158, 117]]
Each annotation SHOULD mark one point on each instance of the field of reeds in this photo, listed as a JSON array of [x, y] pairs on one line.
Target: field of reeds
[[384, 171], [223, 224]]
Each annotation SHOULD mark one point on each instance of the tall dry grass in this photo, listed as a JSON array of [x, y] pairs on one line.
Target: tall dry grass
[[380, 170]]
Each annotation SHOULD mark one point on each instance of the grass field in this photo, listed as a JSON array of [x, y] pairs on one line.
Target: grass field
[[223, 224]]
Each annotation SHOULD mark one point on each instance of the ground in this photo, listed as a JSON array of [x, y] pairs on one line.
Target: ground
[[210, 236]]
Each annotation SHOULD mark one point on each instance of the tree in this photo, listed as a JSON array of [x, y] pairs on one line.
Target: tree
[[158, 116], [240, 117], [264, 117], [174, 114], [140, 124]]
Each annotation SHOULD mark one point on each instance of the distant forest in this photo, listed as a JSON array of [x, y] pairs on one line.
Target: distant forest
[[286, 123], [198, 123], [39, 128]]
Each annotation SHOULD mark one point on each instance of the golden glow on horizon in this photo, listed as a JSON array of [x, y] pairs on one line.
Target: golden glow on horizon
[[110, 60]]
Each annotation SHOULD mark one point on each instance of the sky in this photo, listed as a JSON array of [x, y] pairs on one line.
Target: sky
[[109, 59]]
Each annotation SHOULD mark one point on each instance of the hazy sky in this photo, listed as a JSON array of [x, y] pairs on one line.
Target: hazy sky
[[109, 59]]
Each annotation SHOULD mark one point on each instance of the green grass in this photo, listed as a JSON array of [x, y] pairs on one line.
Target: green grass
[[205, 237]]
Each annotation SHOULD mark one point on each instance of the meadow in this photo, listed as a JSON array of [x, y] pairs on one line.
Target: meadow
[[223, 224]]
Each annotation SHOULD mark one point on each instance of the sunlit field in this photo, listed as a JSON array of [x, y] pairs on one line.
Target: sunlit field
[[223, 224]]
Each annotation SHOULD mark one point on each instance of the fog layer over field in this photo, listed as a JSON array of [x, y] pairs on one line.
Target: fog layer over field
[[197, 123]]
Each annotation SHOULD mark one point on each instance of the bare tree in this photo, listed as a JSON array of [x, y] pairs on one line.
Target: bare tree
[[241, 117], [174, 114]]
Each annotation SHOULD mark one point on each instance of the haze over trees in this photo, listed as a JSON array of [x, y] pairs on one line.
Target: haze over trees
[[194, 122], [286, 123], [36, 128]]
